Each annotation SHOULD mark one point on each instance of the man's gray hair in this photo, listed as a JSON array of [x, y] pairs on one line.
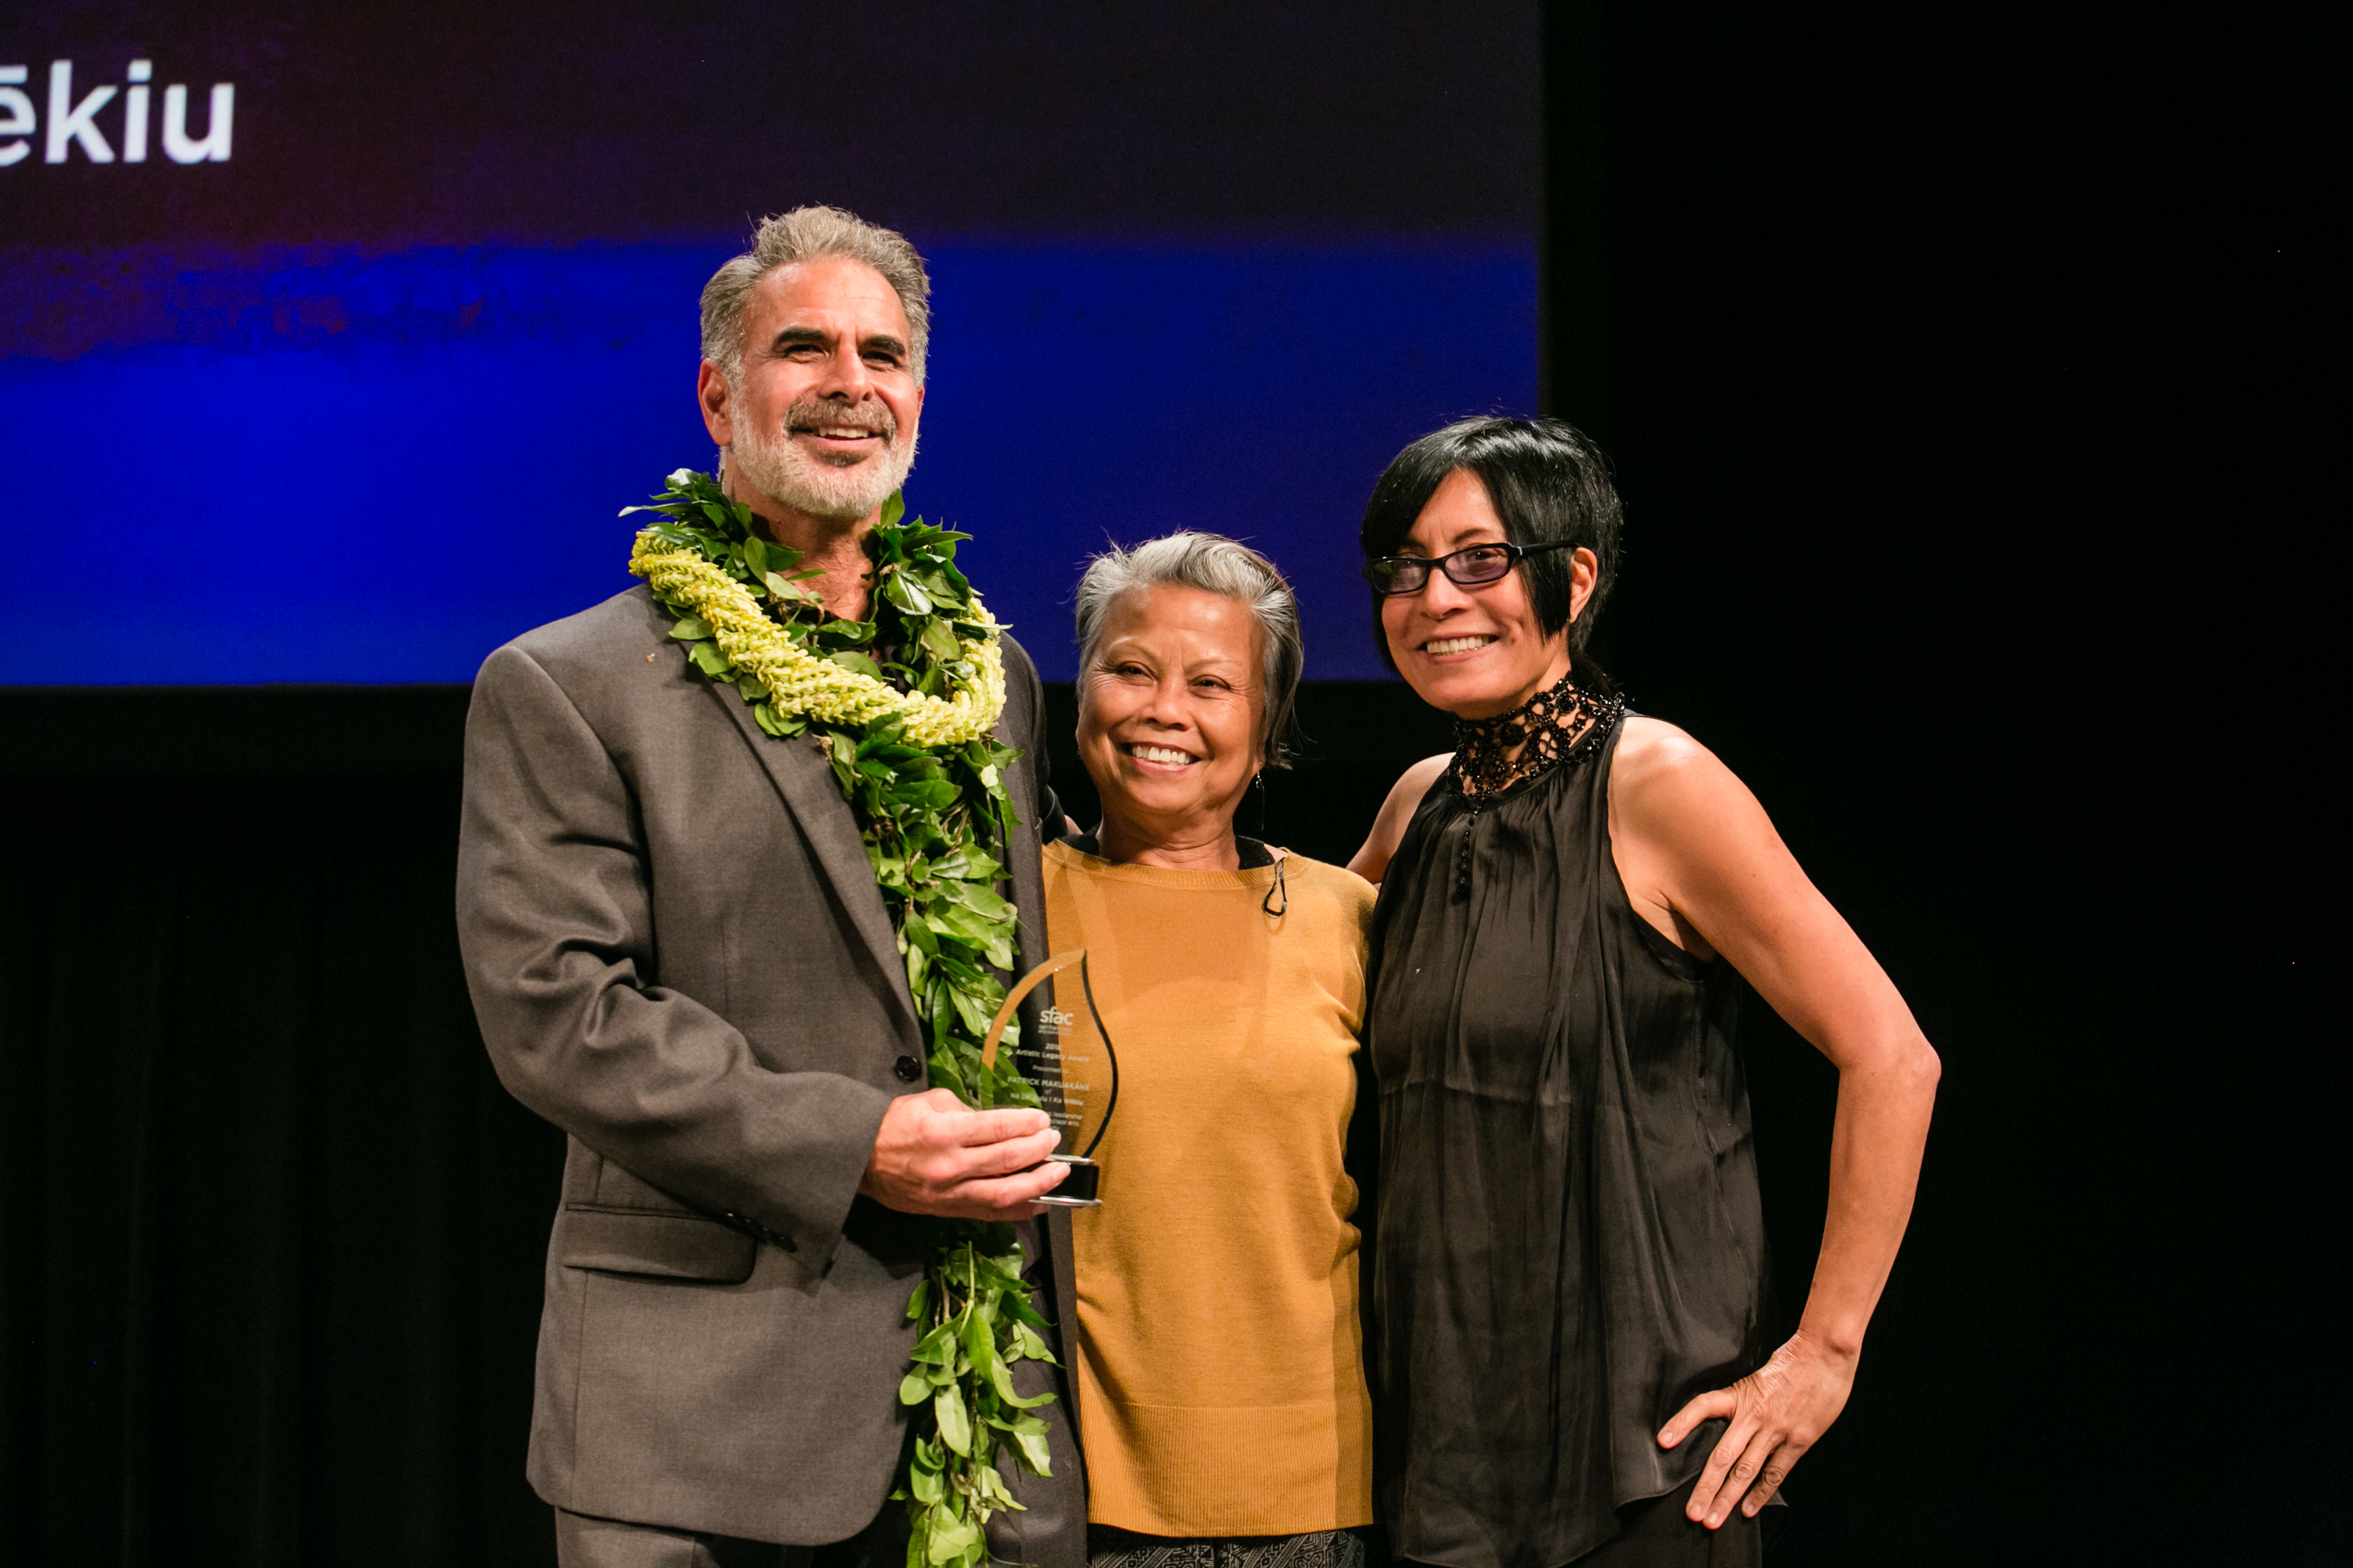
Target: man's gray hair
[[805, 234], [1230, 569]]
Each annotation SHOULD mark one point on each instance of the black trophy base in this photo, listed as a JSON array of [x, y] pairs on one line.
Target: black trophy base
[[1078, 1187]]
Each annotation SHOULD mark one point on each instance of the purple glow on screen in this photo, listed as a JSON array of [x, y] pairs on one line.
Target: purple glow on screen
[[348, 381]]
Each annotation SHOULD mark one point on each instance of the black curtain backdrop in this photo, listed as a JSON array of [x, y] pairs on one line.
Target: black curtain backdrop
[[1959, 365], [1955, 364], [269, 1226]]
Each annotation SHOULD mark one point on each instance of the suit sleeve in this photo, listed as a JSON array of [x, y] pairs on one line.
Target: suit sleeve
[[555, 924], [1048, 806]]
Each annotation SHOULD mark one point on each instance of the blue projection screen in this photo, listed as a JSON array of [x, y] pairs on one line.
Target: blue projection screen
[[336, 340]]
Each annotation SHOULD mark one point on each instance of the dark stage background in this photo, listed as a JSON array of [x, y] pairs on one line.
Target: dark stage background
[[1954, 363]]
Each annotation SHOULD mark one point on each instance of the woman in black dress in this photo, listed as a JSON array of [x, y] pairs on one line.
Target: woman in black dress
[[1569, 1269]]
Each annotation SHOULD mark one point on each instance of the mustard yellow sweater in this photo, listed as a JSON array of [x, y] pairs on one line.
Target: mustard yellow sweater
[[1221, 1389]]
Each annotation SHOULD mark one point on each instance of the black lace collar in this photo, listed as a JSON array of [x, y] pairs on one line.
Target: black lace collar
[[1555, 726]]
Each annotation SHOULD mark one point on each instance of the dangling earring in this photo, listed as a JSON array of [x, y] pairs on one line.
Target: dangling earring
[[1277, 897]]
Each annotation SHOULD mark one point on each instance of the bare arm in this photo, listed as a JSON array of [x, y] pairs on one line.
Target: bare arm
[[1702, 861], [1372, 861]]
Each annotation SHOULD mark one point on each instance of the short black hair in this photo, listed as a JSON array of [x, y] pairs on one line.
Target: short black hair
[[1549, 484]]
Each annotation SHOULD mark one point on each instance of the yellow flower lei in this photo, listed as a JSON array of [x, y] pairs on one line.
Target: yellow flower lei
[[799, 683], [924, 778]]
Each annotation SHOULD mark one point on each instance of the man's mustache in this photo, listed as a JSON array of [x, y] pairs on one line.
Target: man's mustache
[[865, 419]]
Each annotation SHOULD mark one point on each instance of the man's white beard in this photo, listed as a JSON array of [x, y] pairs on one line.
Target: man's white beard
[[775, 465]]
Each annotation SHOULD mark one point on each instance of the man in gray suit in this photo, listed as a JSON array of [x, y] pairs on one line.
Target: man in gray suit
[[678, 953]]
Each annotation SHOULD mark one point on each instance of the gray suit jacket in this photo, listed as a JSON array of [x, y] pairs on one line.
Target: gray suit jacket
[[678, 954]]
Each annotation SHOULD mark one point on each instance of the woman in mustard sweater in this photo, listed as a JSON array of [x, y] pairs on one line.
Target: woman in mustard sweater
[[1222, 1402]]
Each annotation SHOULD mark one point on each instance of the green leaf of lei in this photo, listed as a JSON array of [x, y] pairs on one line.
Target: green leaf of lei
[[935, 821]]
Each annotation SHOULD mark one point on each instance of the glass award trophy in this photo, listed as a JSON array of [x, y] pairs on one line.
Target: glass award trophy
[[1073, 1071]]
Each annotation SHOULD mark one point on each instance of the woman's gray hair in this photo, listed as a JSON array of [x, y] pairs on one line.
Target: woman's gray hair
[[1230, 569], [805, 234]]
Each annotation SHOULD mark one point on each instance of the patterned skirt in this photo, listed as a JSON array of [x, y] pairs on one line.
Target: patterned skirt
[[1112, 1548]]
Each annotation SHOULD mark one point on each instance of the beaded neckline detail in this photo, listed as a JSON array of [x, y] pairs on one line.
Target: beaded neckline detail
[[1556, 725]]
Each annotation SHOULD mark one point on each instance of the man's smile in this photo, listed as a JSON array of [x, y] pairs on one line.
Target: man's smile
[[843, 433]]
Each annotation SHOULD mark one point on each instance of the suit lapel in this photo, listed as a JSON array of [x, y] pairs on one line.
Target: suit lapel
[[805, 780]]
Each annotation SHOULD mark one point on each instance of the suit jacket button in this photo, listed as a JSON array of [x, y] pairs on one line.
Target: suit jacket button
[[908, 1068]]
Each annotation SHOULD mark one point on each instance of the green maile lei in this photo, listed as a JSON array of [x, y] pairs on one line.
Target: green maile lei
[[903, 705]]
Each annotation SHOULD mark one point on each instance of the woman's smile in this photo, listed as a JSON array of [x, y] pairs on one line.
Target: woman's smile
[[1157, 756]]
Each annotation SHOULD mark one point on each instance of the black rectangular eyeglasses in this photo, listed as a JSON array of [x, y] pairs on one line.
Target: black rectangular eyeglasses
[[1472, 568]]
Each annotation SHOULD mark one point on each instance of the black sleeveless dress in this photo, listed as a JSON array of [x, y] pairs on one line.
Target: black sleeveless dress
[[1570, 1244]]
